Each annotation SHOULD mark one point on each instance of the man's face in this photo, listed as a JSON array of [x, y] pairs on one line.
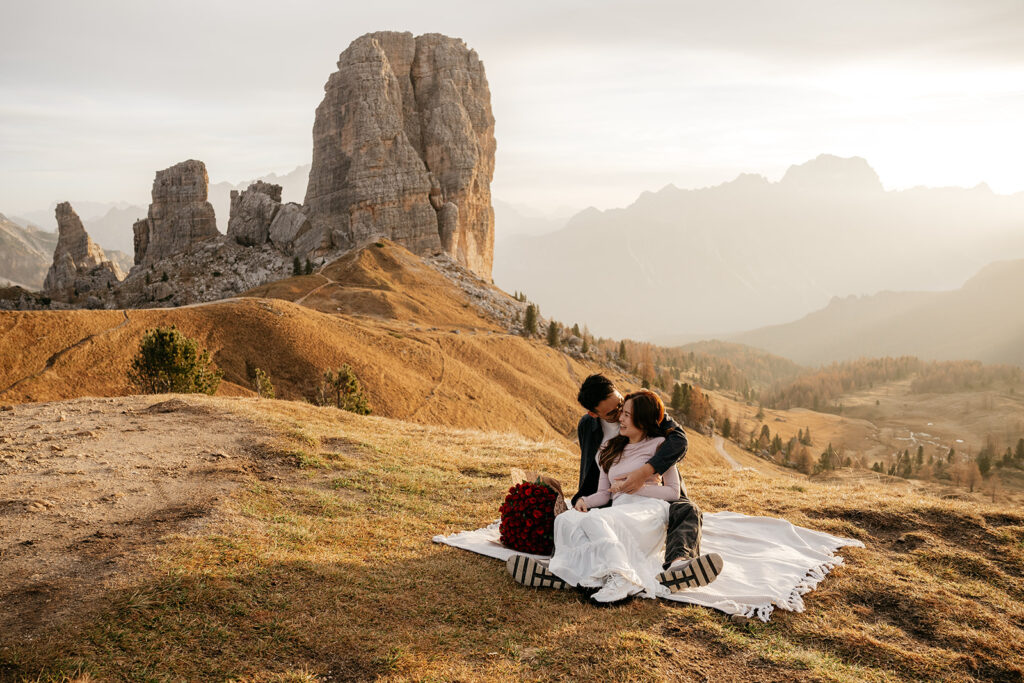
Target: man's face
[[608, 409]]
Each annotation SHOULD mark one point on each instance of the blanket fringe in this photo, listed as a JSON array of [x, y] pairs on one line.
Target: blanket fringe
[[794, 602]]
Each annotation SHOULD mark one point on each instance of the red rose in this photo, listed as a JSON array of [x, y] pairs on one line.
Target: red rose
[[527, 518]]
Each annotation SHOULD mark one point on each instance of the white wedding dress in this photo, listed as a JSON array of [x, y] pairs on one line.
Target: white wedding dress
[[627, 538]]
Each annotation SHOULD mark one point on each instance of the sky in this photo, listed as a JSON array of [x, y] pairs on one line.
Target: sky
[[595, 102]]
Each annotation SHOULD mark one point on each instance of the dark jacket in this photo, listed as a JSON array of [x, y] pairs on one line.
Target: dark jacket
[[589, 433]]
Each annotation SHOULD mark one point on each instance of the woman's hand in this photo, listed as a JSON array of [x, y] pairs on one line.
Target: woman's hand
[[581, 505]]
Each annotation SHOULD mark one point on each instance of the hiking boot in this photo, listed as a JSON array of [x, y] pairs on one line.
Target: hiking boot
[[531, 573], [616, 587], [691, 573]]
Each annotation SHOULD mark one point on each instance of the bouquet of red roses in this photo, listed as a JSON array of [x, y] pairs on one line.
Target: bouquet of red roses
[[528, 518]]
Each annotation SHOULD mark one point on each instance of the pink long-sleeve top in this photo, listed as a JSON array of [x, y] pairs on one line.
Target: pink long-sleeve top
[[634, 456]]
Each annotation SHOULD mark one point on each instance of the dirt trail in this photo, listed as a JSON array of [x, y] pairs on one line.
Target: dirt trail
[[88, 486], [316, 289], [433, 391], [56, 356], [720, 447]]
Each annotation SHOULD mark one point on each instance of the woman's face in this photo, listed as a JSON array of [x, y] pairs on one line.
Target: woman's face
[[626, 426]]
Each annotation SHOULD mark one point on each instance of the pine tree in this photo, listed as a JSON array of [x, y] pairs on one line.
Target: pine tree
[[262, 384], [296, 266], [807, 437], [677, 397], [920, 456], [308, 270], [586, 346], [530, 322], [805, 461], [553, 334], [986, 456], [905, 466], [343, 390], [727, 428], [828, 460], [170, 362], [576, 329], [622, 350]]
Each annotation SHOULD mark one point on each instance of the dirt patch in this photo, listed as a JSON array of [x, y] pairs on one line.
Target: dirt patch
[[88, 487]]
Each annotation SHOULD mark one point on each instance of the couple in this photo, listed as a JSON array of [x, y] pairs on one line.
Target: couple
[[625, 444]]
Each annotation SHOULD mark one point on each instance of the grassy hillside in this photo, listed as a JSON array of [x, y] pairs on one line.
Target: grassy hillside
[[496, 381], [313, 561], [384, 281]]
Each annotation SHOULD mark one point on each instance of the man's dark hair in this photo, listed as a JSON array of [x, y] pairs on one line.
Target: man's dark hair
[[595, 389]]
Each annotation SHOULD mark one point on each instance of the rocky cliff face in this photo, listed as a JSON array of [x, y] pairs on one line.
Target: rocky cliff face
[[258, 216], [179, 216], [403, 147], [79, 265]]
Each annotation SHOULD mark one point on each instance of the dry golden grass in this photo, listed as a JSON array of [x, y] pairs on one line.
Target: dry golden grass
[[385, 281], [467, 373], [493, 381], [327, 572]]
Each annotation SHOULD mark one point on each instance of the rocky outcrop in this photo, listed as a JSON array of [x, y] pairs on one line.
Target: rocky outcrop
[[252, 212], [403, 148], [293, 233], [179, 216], [258, 216], [79, 265]]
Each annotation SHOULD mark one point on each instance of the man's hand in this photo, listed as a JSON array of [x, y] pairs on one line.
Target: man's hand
[[634, 481], [581, 505]]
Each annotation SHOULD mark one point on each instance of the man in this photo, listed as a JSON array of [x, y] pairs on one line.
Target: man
[[684, 567]]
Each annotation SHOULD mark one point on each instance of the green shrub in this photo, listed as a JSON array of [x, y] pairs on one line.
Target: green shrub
[[342, 390], [261, 382], [169, 362]]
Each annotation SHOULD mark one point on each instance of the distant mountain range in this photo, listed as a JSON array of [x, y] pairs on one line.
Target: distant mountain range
[[983, 320], [750, 252], [514, 220]]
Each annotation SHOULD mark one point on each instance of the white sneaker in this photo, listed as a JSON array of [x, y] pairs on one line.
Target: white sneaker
[[616, 587]]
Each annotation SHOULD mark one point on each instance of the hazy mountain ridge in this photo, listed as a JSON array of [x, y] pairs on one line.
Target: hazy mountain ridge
[[511, 220], [980, 321], [752, 252], [25, 253]]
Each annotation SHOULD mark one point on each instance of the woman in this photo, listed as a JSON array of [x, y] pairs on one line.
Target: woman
[[620, 549]]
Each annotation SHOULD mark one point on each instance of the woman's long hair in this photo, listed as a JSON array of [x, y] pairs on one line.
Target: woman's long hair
[[647, 413]]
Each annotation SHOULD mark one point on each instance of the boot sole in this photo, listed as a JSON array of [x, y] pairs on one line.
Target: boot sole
[[531, 573], [702, 571]]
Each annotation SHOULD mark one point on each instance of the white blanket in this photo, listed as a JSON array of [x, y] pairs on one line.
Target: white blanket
[[769, 562]]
